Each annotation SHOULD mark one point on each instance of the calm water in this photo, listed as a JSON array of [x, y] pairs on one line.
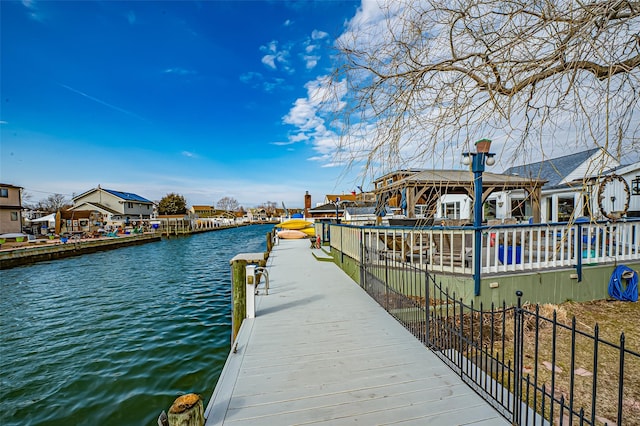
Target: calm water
[[112, 338]]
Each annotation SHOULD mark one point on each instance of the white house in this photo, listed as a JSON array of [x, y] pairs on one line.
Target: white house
[[589, 183], [114, 205]]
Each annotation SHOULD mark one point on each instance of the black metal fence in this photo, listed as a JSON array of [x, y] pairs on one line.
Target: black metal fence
[[528, 361]]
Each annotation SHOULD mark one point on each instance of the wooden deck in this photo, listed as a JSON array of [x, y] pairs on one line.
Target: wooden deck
[[321, 351]]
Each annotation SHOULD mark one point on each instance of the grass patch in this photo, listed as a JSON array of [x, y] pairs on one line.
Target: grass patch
[[612, 319]]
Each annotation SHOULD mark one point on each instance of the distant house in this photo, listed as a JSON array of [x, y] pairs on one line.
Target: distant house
[[202, 211], [326, 211], [114, 205], [590, 184], [10, 208], [363, 215], [257, 215]]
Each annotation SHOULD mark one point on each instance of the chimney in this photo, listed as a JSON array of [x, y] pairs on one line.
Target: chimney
[[307, 203]]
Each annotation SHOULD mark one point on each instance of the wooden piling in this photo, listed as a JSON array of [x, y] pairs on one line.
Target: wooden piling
[[238, 295], [238, 287], [269, 241], [187, 410]]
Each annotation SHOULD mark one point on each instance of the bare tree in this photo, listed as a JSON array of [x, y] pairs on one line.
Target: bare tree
[[227, 204], [269, 208], [533, 75], [53, 203]]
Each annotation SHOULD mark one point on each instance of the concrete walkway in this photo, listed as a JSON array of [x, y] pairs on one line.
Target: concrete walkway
[[321, 351]]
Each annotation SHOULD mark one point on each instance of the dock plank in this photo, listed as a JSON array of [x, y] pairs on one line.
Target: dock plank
[[321, 351]]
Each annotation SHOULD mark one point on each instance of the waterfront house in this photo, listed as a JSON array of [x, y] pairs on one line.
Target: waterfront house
[[257, 215], [114, 206], [590, 184], [10, 208], [203, 211]]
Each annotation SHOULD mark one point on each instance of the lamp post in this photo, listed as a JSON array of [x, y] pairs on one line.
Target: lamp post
[[337, 203], [477, 160]]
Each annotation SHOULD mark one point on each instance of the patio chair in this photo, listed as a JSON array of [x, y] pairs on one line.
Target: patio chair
[[454, 248], [399, 245]]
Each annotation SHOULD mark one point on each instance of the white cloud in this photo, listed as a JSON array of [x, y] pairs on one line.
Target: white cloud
[[318, 35], [270, 61], [180, 71], [276, 57], [311, 61]]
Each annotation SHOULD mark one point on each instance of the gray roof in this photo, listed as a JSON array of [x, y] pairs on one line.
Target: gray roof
[[354, 211], [324, 208], [553, 170]]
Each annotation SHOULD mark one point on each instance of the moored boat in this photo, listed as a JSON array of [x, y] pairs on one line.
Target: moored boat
[[291, 234], [294, 224]]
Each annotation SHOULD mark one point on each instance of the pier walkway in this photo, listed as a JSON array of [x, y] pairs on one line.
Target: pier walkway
[[321, 351]]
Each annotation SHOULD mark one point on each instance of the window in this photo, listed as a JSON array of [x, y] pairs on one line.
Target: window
[[129, 205], [489, 208], [565, 209], [4, 192], [451, 210], [389, 181], [14, 216]]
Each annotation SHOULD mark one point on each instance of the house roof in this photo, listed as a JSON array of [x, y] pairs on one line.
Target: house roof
[[343, 197], [126, 196], [370, 210], [448, 178], [553, 170], [328, 207]]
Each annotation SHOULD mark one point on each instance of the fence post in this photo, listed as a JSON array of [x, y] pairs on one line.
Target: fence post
[[578, 252], [386, 282], [621, 379], [427, 302], [362, 259], [518, 346]]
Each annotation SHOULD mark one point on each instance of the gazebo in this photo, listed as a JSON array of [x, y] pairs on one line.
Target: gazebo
[[425, 187]]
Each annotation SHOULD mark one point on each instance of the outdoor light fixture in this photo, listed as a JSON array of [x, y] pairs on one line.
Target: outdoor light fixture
[[477, 160]]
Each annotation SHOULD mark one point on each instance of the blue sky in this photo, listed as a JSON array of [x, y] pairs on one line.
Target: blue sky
[[205, 99]]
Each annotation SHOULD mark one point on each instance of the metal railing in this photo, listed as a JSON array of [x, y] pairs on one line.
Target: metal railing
[[534, 369]]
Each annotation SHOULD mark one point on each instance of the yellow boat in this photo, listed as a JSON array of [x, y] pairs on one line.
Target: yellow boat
[[311, 232], [294, 224]]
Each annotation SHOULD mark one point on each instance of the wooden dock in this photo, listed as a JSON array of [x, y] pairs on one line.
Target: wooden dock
[[321, 351]]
